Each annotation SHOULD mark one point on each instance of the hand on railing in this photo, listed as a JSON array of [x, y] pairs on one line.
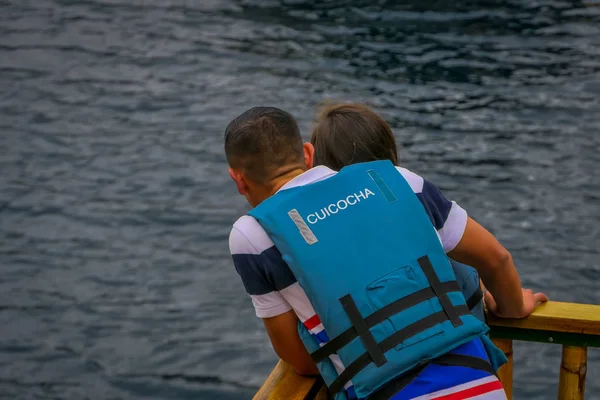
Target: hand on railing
[[530, 302]]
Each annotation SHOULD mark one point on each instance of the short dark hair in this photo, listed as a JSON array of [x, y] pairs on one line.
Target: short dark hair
[[350, 133], [264, 141]]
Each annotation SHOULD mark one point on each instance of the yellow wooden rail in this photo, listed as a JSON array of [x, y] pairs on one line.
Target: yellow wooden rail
[[574, 326], [284, 384]]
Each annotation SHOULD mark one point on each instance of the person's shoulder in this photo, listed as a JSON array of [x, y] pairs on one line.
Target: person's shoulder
[[248, 237], [259, 264], [256, 259], [415, 181]]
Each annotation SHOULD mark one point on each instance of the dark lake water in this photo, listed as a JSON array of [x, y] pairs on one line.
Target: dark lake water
[[115, 204]]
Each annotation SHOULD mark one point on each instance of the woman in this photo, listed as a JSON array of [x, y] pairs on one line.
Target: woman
[[352, 133], [346, 134]]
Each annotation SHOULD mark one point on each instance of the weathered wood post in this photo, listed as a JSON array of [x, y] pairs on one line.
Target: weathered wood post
[[573, 367]]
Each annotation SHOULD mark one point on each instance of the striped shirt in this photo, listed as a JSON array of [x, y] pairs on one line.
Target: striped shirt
[[274, 289]]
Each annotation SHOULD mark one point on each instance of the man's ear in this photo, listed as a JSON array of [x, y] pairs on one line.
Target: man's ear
[[309, 154], [239, 180]]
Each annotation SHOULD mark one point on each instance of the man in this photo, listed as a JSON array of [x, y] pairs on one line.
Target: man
[[267, 157]]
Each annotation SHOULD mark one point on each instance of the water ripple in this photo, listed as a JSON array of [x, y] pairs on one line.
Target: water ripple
[[116, 205]]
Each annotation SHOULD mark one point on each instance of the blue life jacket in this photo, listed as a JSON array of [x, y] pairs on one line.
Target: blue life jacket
[[363, 249], [468, 280]]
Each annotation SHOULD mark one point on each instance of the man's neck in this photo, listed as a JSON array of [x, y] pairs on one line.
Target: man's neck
[[284, 178], [275, 184]]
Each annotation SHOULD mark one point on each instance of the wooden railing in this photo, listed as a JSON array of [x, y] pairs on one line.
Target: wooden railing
[[574, 326]]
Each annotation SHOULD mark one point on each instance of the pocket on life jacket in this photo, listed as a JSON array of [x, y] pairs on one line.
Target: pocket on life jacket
[[395, 285]]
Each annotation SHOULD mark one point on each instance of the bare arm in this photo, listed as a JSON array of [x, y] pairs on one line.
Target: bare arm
[[480, 249], [283, 332]]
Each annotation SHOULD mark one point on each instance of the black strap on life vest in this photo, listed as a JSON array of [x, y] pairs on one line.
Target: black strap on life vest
[[362, 330], [381, 315], [396, 385], [391, 341], [475, 299], [435, 283], [375, 352], [463, 360], [315, 388]]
